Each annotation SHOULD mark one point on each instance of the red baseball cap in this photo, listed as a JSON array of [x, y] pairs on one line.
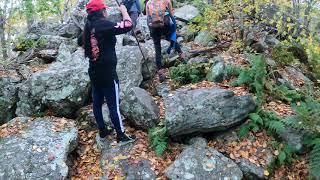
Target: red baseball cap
[[95, 5]]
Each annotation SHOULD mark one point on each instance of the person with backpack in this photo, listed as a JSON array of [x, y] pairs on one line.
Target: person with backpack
[[134, 9], [161, 22], [98, 41]]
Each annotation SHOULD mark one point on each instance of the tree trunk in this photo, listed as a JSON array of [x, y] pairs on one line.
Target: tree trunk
[[3, 38]]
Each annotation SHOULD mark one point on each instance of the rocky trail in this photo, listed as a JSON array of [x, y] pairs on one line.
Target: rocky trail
[[48, 129]]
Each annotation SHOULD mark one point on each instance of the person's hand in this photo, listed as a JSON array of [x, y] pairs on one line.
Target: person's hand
[[122, 8]]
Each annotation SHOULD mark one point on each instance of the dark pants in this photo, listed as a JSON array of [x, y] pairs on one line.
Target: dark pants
[[111, 95], [156, 34]]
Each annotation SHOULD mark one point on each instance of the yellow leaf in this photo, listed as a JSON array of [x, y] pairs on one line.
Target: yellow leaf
[[266, 173], [119, 157]]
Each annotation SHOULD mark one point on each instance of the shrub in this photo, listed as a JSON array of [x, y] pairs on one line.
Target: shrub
[[282, 56], [158, 139], [254, 77], [185, 74]]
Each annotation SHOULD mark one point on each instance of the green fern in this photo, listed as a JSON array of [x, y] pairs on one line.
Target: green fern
[[315, 161], [231, 71], [254, 77], [284, 93], [260, 119], [158, 139], [283, 56], [307, 116], [186, 73]]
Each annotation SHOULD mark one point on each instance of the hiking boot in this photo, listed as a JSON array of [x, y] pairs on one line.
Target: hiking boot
[[162, 75], [125, 139], [102, 143], [182, 56], [105, 132]]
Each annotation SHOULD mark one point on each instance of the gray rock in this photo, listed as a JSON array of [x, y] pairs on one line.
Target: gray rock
[[204, 38], [8, 97], [198, 142], [140, 109], [36, 61], [290, 76], [24, 71], [256, 40], [38, 152], [54, 42], [45, 28], [69, 30], [271, 40], [142, 170], [142, 28], [129, 67], [114, 15], [203, 163], [205, 110], [117, 157], [217, 70], [163, 89], [293, 138], [227, 136], [187, 12], [63, 87], [48, 54], [129, 41], [186, 33], [250, 170], [149, 67], [198, 59]]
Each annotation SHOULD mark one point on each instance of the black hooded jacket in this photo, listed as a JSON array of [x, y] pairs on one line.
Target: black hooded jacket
[[102, 70]]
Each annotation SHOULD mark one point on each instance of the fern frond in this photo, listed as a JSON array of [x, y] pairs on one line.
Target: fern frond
[[158, 139], [314, 164], [276, 126]]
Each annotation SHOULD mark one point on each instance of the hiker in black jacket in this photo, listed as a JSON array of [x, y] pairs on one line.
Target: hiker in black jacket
[[98, 41]]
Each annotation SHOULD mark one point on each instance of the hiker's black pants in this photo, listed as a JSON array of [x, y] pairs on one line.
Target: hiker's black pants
[[156, 34], [111, 95]]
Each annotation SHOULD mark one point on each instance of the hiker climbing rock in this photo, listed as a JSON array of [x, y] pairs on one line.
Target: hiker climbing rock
[[161, 22], [134, 10], [98, 41]]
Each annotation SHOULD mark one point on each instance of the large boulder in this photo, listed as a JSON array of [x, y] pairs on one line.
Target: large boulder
[[140, 109], [205, 110], [216, 72], [142, 27], [293, 78], [8, 97], [149, 67], [114, 15], [293, 138], [36, 148], [63, 87], [204, 38], [187, 12], [203, 163], [129, 67]]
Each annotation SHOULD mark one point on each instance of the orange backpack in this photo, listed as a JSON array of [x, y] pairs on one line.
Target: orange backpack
[[156, 11]]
